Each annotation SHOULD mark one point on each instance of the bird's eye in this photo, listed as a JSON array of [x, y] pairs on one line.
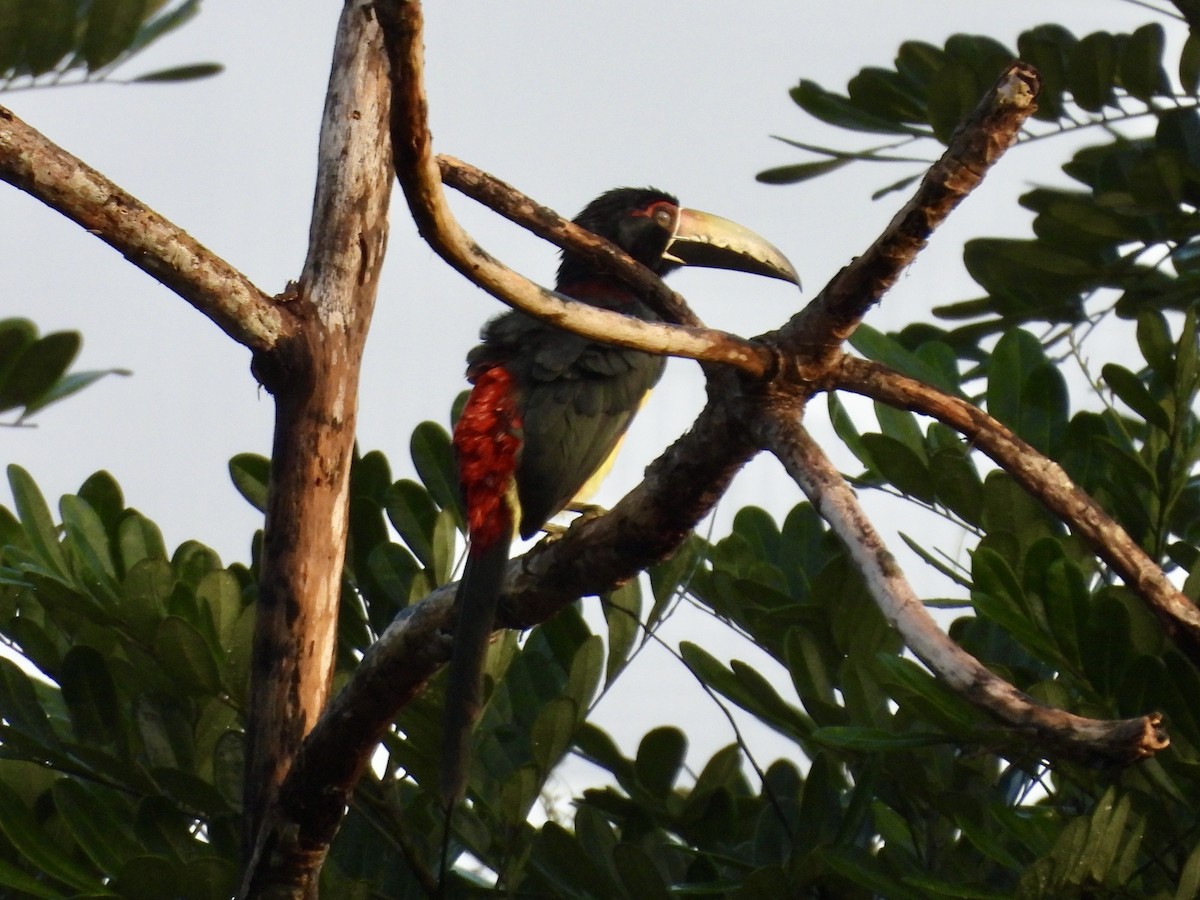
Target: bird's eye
[[664, 218]]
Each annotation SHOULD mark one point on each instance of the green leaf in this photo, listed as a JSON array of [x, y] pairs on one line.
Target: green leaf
[[191, 72], [100, 833], [840, 111], [91, 697], [1092, 70], [900, 466], [39, 849], [1046, 47], [638, 873], [184, 654], [1154, 340], [88, 538], [798, 172], [139, 540], [551, 734], [37, 369], [952, 95], [413, 514], [148, 878], [876, 345], [622, 612], [874, 740], [444, 546], [1189, 64], [251, 474], [11, 876], [229, 765], [49, 30], [21, 707], [69, 384], [434, 459], [111, 26], [35, 517], [1130, 390], [913, 687], [1189, 879], [748, 689], [220, 593], [887, 94], [1026, 392], [659, 759], [1140, 63], [957, 484]]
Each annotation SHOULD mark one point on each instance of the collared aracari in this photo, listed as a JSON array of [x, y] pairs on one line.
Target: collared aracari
[[549, 409]]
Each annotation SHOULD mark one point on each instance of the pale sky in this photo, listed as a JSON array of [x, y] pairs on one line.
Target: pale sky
[[562, 100]]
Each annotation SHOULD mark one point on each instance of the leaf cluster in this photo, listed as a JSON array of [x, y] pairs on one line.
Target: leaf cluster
[[44, 41], [34, 369]]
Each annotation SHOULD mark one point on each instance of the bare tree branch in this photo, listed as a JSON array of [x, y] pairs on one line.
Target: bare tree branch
[[546, 223], [421, 179], [594, 555], [33, 164], [1043, 478], [813, 338], [1090, 739], [315, 381]]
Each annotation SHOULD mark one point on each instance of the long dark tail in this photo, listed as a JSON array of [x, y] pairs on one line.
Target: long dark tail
[[478, 594]]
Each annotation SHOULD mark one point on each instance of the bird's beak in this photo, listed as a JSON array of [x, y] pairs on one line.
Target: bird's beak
[[702, 239]]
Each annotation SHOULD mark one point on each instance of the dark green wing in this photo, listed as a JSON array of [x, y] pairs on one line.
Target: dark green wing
[[578, 398]]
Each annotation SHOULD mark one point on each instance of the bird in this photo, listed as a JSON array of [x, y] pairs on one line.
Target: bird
[[548, 409]]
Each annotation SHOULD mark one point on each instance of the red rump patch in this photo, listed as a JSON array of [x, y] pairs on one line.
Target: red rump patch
[[486, 441]]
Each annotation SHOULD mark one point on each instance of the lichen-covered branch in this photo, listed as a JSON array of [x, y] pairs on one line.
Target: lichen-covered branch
[[1082, 738], [34, 164]]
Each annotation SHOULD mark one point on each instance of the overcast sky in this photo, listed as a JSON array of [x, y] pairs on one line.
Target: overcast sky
[[563, 100]]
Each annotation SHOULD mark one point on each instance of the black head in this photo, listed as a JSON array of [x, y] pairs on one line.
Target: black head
[[641, 221]]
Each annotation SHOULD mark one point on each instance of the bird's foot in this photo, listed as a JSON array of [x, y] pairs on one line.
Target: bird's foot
[[587, 511], [583, 511]]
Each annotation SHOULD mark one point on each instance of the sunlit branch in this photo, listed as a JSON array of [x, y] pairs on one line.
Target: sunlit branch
[[420, 176], [34, 164], [813, 338], [1089, 739]]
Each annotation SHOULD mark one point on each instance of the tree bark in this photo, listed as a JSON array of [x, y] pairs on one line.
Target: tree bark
[[314, 378]]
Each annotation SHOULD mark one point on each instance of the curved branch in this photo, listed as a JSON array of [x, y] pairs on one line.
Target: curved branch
[[1042, 478], [814, 336], [421, 179], [34, 164], [546, 223], [1090, 739]]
